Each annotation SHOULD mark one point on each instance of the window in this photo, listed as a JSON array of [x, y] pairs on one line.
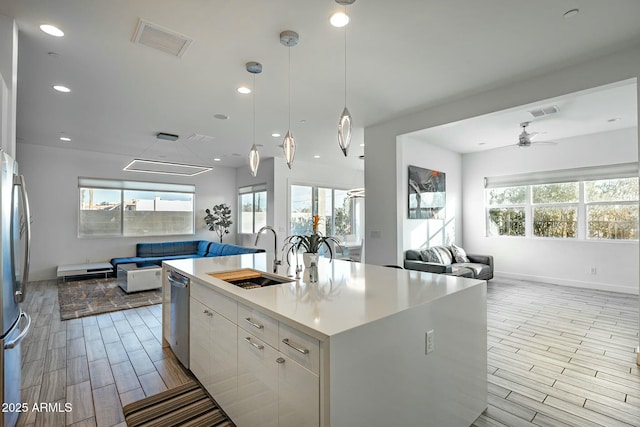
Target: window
[[506, 213], [253, 209], [612, 208], [590, 207], [555, 209], [110, 208], [340, 215]]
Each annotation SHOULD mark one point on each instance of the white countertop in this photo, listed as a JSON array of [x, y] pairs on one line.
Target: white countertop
[[347, 294]]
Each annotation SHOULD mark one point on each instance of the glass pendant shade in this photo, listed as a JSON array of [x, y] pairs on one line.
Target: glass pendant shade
[[254, 160], [344, 130], [289, 148]]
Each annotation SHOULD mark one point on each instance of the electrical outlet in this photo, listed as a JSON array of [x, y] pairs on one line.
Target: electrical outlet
[[594, 270], [429, 342]]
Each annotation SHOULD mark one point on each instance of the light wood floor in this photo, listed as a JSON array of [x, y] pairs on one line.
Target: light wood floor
[[556, 356]]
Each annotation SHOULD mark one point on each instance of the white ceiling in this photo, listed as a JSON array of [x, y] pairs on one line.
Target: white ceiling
[[601, 109], [403, 56]]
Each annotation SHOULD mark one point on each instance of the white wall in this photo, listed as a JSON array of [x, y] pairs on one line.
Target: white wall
[[421, 233], [384, 235], [8, 83], [52, 181], [560, 261]]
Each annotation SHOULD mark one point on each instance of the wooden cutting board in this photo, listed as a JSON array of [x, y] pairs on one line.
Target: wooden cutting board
[[236, 275]]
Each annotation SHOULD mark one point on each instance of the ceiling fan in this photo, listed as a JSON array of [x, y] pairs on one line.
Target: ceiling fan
[[525, 138]]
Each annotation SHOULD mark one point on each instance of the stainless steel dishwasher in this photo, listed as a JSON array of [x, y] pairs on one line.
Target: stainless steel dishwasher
[[179, 325]]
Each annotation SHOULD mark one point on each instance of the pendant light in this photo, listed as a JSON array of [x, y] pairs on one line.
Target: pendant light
[[254, 156], [344, 123], [289, 39]]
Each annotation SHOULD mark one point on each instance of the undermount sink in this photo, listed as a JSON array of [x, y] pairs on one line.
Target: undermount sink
[[250, 279]]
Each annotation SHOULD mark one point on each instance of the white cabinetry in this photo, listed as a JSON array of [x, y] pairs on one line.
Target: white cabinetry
[[276, 384], [213, 352]]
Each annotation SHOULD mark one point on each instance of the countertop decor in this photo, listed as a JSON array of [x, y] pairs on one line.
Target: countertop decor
[[310, 244]]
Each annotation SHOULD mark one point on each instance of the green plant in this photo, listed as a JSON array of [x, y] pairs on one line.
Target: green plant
[[312, 243], [218, 219]]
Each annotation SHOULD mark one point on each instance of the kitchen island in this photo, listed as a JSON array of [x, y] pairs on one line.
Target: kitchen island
[[364, 346]]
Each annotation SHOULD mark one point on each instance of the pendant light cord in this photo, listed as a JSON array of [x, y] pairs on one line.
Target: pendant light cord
[[289, 88], [254, 109], [345, 60]]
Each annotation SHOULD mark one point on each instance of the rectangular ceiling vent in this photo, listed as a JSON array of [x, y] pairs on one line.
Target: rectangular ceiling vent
[[540, 112], [196, 137], [162, 39]]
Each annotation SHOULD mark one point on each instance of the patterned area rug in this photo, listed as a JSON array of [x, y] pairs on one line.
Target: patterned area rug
[[95, 296], [185, 405]]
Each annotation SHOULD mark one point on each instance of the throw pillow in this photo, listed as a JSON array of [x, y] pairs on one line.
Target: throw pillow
[[459, 254], [444, 254], [430, 255]]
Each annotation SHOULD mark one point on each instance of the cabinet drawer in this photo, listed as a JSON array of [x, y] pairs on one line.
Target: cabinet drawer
[[218, 302], [259, 324], [300, 347]]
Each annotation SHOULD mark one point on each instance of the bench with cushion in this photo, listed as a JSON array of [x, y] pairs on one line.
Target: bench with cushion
[[155, 253], [451, 260]]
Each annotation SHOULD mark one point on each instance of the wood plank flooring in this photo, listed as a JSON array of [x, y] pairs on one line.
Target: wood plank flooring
[[560, 356], [557, 356], [96, 364]]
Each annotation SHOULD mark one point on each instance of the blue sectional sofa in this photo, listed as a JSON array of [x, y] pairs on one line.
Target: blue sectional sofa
[[155, 253]]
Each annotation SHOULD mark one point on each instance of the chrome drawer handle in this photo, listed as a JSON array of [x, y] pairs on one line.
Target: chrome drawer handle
[[258, 346], [254, 324], [298, 349]]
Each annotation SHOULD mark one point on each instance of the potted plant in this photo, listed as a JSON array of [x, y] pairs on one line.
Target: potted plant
[[218, 219], [310, 245]]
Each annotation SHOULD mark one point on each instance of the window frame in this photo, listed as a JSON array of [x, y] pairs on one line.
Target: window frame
[[85, 183], [581, 207], [253, 190]]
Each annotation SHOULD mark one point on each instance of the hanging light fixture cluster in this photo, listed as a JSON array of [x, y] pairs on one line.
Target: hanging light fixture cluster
[[254, 156], [345, 121], [289, 39]]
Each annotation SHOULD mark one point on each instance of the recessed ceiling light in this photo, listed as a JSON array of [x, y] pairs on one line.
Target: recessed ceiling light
[[221, 116], [244, 90], [316, 156], [339, 19], [481, 143], [216, 159], [303, 121], [65, 138], [276, 135], [61, 88], [236, 154], [362, 145], [52, 30], [571, 13], [614, 119], [53, 55]]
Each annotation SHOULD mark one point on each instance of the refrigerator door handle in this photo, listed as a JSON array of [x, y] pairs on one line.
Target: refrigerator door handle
[[11, 344], [18, 181]]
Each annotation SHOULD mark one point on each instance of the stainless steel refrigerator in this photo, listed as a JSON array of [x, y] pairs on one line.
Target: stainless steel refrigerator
[[15, 234]]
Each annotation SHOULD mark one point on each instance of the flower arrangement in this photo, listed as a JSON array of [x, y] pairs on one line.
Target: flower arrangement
[[312, 243]]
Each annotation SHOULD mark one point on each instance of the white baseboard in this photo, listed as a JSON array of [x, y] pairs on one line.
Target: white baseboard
[[565, 282]]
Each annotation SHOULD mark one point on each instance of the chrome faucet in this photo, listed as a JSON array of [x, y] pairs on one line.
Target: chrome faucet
[[276, 261]]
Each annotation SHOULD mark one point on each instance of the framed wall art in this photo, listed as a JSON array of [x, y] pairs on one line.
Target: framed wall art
[[427, 193]]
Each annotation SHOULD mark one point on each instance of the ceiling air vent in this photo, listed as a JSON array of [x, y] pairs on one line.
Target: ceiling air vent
[[162, 39], [545, 111], [196, 137]]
